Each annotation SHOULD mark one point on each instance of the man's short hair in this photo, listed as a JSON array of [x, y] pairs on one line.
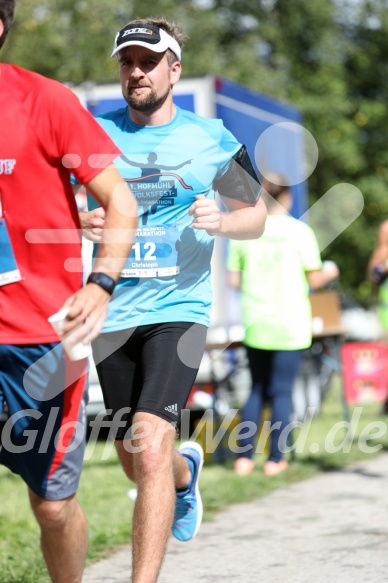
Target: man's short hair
[[7, 9]]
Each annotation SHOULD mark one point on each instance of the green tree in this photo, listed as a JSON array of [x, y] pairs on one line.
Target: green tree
[[327, 57]]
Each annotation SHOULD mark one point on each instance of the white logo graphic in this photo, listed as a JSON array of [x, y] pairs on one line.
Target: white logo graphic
[[172, 409], [137, 30]]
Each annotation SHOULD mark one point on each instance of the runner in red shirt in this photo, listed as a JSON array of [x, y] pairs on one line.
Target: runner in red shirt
[[46, 134]]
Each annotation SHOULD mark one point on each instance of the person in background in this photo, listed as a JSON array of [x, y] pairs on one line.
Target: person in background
[[378, 274], [151, 347], [41, 273], [378, 271], [275, 275]]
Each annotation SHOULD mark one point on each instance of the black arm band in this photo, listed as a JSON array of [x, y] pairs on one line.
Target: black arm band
[[103, 280], [240, 181]]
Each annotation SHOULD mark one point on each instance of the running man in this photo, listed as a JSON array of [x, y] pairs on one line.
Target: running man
[[152, 344], [40, 273]]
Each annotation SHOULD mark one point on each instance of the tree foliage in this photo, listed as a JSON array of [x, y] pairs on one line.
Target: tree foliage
[[327, 57]]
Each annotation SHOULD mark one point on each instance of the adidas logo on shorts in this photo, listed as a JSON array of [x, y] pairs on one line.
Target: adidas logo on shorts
[[172, 409]]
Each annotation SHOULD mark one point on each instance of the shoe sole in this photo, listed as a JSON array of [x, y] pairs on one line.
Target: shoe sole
[[198, 448]]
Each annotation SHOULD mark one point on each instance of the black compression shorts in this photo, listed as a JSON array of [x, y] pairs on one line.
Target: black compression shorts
[[149, 368]]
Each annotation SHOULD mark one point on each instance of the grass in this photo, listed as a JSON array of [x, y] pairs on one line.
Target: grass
[[104, 489]]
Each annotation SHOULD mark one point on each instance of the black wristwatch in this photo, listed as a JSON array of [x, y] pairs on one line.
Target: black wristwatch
[[103, 280]]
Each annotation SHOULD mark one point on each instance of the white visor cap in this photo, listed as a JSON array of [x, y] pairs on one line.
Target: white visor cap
[[151, 37]]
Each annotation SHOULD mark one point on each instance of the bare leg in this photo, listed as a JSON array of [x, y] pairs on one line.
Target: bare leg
[[64, 537], [181, 469], [150, 460]]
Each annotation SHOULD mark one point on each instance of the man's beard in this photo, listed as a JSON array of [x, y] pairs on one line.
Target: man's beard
[[150, 104]]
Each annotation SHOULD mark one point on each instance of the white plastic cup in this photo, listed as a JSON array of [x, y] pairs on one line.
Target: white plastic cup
[[75, 351]]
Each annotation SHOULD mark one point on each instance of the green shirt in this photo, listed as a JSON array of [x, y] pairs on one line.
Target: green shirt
[[274, 287], [382, 307]]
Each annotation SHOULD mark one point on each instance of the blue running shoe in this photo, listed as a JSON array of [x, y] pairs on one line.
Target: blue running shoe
[[188, 509]]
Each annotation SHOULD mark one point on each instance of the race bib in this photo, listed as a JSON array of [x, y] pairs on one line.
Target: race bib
[[154, 253], [9, 272]]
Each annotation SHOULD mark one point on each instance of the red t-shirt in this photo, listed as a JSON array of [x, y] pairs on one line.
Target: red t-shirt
[[40, 122]]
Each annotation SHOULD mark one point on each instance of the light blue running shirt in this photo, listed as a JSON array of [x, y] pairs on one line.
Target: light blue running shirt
[[167, 276]]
